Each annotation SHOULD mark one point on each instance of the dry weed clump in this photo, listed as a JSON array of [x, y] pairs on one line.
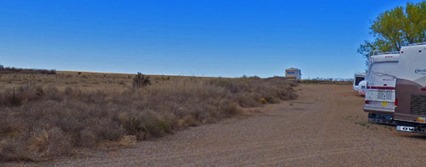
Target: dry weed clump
[[253, 92], [38, 123]]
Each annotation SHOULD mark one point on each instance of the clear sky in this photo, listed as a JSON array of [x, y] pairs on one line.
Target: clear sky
[[228, 38]]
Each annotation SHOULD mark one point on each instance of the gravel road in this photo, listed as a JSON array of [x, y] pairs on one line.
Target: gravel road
[[325, 126]]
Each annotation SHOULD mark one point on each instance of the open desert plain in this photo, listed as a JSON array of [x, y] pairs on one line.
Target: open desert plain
[[323, 126], [195, 83]]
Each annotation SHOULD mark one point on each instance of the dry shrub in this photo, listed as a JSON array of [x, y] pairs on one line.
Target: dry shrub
[[36, 145], [12, 97], [254, 92], [127, 141], [141, 80], [144, 125], [45, 143], [49, 122]]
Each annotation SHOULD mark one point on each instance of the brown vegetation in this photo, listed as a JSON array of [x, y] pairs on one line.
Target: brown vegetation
[[327, 81], [54, 115], [13, 70]]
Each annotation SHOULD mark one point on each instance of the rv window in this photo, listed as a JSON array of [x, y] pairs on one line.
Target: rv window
[[388, 68], [358, 79]]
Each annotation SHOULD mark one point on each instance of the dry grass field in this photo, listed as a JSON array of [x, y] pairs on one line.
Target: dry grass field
[[324, 126], [44, 116]]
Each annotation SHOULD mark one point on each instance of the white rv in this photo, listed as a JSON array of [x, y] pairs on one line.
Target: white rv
[[411, 89], [380, 101]]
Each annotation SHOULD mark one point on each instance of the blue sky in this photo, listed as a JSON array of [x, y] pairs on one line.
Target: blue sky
[[227, 38]]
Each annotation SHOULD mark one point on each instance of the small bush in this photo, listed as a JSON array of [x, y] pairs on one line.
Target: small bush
[[13, 98], [141, 80], [145, 125], [36, 145]]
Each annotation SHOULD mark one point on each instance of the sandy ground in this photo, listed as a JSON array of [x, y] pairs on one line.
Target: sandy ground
[[324, 127]]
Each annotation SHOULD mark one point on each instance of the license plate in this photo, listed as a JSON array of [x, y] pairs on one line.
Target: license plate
[[405, 128], [384, 104], [380, 95], [384, 95]]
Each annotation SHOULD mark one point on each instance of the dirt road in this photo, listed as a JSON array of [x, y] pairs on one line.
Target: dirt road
[[324, 127]]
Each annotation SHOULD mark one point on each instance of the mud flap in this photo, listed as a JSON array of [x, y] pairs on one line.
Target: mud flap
[[382, 119]]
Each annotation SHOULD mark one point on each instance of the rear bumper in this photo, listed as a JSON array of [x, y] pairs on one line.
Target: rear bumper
[[373, 109], [411, 127]]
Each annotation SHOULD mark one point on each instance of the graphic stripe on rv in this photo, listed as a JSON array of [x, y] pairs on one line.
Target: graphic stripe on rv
[[381, 87]]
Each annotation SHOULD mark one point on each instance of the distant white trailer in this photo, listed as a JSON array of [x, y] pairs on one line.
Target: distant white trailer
[[358, 77], [293, 73]]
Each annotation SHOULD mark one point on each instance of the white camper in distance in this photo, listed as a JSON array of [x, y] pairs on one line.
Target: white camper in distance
[[358, 77], [293, 73], [362, 86]]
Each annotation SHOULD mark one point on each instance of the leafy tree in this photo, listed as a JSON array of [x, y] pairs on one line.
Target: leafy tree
[[395, 28]]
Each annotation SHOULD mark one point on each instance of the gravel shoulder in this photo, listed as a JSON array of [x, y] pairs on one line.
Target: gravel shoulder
[[325, 126]]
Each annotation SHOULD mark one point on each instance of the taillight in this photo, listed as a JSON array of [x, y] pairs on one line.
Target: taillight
[[396, 102]]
